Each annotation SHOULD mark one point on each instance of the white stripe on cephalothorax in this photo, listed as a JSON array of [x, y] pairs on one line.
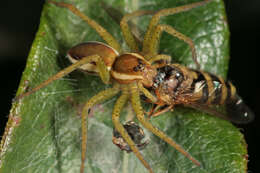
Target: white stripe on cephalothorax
[[122, 76]]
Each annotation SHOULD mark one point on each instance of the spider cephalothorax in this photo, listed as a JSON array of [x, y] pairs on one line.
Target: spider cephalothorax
[[131, 67]]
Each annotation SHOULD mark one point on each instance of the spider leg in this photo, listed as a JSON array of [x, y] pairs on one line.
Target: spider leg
[[158, 112], [128, 35], [117, 16], [154, 41], [60, 74], [119, 127], [165, 12], [100, 97], [147, 93], [99, 29], [103, 71], [159, 57], [135, 100]]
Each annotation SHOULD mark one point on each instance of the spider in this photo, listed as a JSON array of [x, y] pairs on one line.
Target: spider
[[129, 72]]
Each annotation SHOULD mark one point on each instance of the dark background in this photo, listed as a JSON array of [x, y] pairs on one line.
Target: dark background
[[19, 22]]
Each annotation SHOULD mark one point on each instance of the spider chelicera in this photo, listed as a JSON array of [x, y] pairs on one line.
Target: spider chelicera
[[129, 73]]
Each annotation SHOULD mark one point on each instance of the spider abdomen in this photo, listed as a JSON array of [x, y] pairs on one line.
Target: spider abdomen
[[107, 53]]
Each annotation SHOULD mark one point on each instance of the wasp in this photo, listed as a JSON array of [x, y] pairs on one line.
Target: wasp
[[132, 74], [175, 84]]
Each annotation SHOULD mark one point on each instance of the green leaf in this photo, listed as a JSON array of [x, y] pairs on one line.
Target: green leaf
[[43, 130]]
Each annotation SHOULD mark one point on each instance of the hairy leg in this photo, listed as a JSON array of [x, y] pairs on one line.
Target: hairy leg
[[147, 93], [154, 41], [60, 74], [166, 12], [100, 97], [156, 111], [135, 100], [99, 29], [119, 127], [159, 57], [103, 71], [128, 35]]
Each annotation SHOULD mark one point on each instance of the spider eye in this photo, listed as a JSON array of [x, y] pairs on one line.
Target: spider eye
[[140, 66]]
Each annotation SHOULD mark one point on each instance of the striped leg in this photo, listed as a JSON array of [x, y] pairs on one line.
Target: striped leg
[[100, 97]]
